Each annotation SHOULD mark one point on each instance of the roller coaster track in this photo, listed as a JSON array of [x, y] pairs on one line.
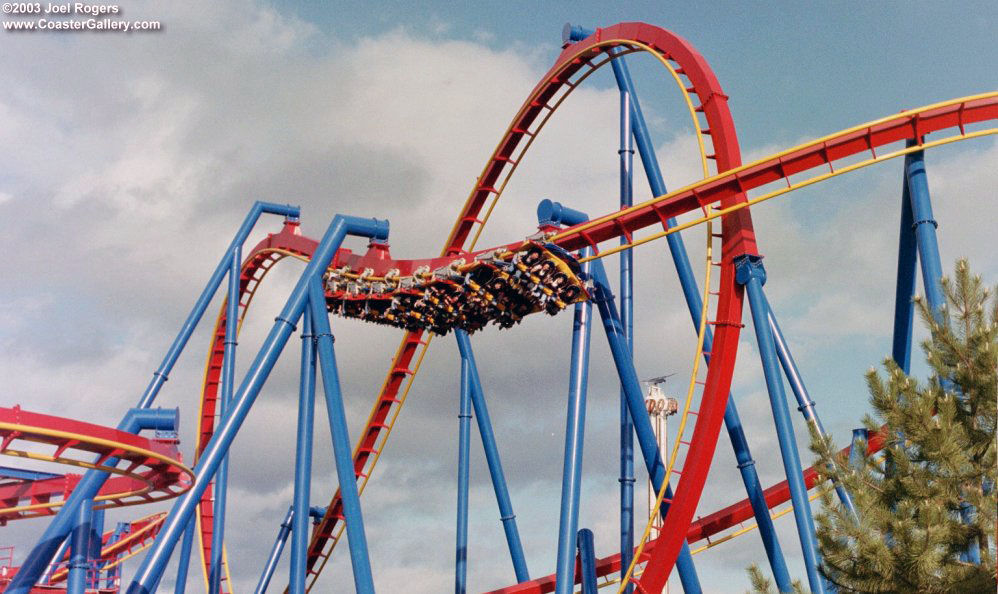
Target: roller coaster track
[[727, 190], [152, 470], [140, 535]]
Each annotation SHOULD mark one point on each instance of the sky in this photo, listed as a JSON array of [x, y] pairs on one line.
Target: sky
[[129, 160]]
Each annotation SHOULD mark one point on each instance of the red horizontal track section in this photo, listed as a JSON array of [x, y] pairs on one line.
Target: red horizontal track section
[[703, 528], [56, 489], [19, 416], [713, 191], [816, 155], [159, 475]]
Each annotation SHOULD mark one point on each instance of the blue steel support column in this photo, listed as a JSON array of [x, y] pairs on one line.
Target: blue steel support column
[[751, 274], [156, 559], [575, 427], [228, 381], [647, 441], [750, 478], [507, 516], [463, 457], [904, 307], [626, 153], [162, 373], [275, 553], [356, 538], [925, 229], [932, 273], [303, 457], [135, 420], [804, 403], [42, 553], [554, 213], [96, 535], [687, 280], [184, 563], [76, 583], [635, 402], [587, 561]]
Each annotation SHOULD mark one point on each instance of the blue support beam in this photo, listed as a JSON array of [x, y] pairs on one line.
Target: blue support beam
[[275, 552], [303, 456], [626, 156], [155, 561], [925, 229], [463, 472], [112, 575], [575, 426], [751, 274], [587, 561], [857, 451], [904, 307], [162, 373], [96, 534], [184, 563], [691, 293], [804, 403], [43, 552], [228, 386], [648, 443], [79, 555], [507, 516], [363, 579], [925, 225]]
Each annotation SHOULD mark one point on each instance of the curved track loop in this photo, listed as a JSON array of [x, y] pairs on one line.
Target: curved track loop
[[737, 239], [727, 189], [152, 470]]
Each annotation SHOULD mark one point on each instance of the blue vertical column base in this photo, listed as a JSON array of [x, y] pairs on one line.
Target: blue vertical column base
[[587, 561], [575, 426], [507, 516]]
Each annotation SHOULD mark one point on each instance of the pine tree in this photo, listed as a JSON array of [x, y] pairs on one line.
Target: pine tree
[[762, 584], [938, 461]]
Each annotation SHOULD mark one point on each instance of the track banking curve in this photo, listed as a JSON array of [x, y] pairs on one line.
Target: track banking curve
[[152, 469], [727, 189]]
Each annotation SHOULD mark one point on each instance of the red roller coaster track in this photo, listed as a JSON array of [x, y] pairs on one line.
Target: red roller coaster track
[[727, 189]]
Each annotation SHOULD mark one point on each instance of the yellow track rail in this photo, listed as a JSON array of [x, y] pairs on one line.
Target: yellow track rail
[[115, 499]]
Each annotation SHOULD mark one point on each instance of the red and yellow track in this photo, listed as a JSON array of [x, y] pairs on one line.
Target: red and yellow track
[[723, 196], [148, 469]]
